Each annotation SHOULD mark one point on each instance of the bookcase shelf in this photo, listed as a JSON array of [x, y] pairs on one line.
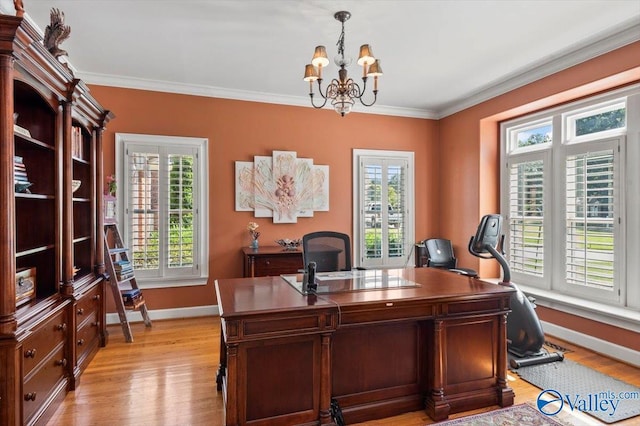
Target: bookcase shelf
[[54, 231]]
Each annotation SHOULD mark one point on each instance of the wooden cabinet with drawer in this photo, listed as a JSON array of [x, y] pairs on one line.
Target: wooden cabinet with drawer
[[45, 362], [88, 311], [271, 261], [51, 128]]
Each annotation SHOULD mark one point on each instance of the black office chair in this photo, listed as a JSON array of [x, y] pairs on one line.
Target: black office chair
[[440, 255], [330, 250]]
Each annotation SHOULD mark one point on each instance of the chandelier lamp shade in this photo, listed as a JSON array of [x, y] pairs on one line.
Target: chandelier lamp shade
[[343, 91]]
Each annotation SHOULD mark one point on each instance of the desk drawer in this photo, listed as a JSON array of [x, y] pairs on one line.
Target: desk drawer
[[276, 265], [44, 339], [38, 387]]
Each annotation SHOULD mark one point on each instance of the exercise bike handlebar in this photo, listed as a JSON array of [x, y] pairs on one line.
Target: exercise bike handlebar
[[493, 253]]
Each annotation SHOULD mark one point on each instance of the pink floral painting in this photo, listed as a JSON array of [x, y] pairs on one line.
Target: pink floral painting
[[282, 186]]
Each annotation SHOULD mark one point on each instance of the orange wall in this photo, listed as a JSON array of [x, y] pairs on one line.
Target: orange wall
[[457, 161], [239, 130], [470, 158], [469, 141]]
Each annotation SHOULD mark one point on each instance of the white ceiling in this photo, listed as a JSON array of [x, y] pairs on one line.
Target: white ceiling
[[438, 56]]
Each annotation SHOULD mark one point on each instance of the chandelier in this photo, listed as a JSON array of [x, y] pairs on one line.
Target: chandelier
[[343, 91]]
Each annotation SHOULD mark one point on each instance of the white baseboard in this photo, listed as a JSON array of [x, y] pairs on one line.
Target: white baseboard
[[597, 345], [162, 314]]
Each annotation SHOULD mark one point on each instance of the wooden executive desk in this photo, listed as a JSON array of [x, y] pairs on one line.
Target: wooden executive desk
[[439, 347]]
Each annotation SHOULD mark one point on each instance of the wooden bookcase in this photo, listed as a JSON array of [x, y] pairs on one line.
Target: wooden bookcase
[[50, 234]]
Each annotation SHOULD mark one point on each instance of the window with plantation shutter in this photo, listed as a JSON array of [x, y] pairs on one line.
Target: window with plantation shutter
[[384, 223], [570, 200], [591, 218], [164, 208], [526, 217]]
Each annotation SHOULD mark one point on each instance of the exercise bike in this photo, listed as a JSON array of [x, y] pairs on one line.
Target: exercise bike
[[525, 337]]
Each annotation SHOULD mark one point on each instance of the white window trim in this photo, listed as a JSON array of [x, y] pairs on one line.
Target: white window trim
[[627, 313], [358, 206], [122, 141]]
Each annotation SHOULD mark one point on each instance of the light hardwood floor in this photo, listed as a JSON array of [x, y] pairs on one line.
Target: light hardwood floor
[[167, 377]]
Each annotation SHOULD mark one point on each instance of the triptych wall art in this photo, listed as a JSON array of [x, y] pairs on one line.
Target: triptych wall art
[[282, 186]]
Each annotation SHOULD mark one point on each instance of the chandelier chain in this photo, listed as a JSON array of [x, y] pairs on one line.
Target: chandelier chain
[[340, 43]]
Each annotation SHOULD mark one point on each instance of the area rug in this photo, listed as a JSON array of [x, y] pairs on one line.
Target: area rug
[[517, 415], [577, 388]]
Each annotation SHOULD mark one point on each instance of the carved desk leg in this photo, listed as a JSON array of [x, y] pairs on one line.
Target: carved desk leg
[[505, 393], [325, 379], [437, 406], [231, 408], [222, 368]]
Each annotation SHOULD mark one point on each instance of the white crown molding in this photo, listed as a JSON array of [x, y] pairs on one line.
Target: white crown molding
[[593, 47], [235, 94]]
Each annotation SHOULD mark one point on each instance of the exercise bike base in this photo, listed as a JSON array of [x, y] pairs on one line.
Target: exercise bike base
[[536, 360]]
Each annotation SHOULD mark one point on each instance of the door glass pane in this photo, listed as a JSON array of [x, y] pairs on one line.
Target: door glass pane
[[373, 211], [395, 210], [384, 211]]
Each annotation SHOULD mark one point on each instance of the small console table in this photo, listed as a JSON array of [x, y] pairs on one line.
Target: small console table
[[270, 261]]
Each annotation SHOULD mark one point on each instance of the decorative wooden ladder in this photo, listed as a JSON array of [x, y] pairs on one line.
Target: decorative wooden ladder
[[122, 280]]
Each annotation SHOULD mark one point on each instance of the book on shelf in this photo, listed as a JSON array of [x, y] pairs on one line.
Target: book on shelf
[[77, 148], [20, 178], [21, 130]]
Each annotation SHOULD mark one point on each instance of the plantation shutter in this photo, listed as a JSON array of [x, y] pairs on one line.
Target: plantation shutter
[[526, 217], [590, 219], [143, 211], [384, 211], [160, 213]]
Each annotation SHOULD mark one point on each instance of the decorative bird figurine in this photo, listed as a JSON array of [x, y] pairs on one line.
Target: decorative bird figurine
[[19, 7], [56, 33]]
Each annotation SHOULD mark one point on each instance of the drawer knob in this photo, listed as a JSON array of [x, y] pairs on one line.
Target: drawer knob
[[267, 263], [96, 324], [80, 342], [30, 353], [80, 311], [96, 297], [61, 362], [61, 327], [31, 396]]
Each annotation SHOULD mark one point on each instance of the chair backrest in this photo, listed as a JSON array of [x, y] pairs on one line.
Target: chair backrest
[[440, 253], [330, 250]]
